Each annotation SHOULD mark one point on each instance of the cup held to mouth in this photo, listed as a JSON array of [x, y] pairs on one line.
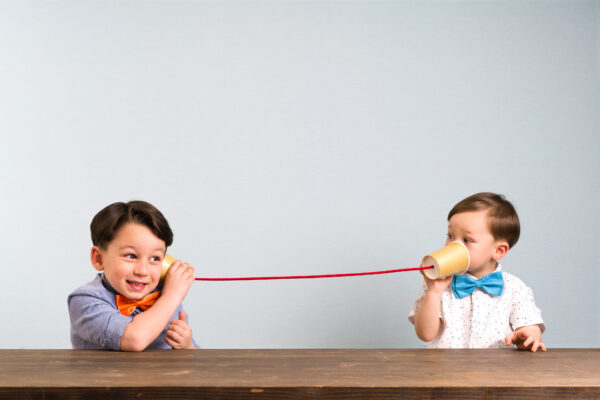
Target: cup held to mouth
[[453, 259]]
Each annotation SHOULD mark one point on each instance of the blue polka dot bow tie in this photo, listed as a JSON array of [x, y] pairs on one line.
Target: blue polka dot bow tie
[[464, 285]]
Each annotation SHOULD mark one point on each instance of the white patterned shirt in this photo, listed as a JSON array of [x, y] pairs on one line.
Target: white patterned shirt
[[481, 320]]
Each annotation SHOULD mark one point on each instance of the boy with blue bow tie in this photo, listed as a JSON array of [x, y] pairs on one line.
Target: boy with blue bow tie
[[487, 307]]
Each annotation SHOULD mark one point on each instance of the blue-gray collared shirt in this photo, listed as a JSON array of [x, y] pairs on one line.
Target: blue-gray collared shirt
[[96, 322]]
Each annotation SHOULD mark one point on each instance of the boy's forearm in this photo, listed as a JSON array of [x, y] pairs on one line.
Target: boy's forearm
[[427, 320], [145, 327]]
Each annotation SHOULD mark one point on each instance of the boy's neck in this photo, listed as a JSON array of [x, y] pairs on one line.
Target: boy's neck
[[491, 267]]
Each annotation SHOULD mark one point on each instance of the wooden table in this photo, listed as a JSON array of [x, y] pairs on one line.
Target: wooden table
[[301, 374]]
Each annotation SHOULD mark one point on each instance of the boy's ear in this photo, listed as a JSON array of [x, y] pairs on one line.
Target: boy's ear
[[500, 250], [96, 257]]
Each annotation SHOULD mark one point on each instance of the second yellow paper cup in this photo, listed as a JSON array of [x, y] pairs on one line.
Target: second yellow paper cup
[[453, 259]]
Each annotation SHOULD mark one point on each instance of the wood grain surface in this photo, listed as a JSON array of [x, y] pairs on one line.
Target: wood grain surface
[[301, 374]]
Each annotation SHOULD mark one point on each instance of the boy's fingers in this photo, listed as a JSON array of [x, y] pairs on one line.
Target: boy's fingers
[[180, 329], [174, 266], [171, 342], [523, 338], [535, 346], [173, 335], [510, 338], [190, 270], [179, 265], [182, 268], [520, 335], [176, 326], [177, 322], [182, 315]]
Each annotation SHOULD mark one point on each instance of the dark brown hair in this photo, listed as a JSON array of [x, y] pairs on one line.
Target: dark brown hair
[[502, 217], [107, 222]]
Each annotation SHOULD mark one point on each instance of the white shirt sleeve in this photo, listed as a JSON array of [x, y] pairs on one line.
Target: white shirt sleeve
[[524, 312]]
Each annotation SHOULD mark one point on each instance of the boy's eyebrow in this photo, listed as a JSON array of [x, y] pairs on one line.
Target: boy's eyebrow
[[130, 246], [127, 246], [468, 232]]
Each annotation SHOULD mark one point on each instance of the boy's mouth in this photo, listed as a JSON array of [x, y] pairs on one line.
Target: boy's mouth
[[136, 285]]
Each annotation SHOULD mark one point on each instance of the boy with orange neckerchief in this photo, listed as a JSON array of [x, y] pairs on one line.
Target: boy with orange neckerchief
[[125, 307]]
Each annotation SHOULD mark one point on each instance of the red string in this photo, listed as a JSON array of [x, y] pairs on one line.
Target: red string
[[263, 278]]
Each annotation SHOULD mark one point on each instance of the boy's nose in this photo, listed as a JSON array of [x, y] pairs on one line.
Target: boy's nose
[[141, 268]]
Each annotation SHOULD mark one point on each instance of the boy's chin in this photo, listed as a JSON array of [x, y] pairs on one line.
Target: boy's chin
[[136, 295]]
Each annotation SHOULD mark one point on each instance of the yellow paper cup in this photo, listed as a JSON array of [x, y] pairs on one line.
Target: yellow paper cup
[[167, 262], [453, 259]]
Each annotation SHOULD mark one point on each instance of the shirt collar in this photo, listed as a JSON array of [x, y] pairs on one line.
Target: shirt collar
[[106, 284], [498, 269]]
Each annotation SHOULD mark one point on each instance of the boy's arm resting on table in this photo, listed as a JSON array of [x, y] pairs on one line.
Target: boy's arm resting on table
[[95, 322], [427, 318], [526, 338], [527, 319], [146, 326]]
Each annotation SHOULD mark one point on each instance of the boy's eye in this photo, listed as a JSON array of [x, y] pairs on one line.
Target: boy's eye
[[467, 240], [450, 236], [156, 259], [131, 256]]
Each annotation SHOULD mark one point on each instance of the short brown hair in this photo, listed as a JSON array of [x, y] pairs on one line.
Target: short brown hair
[[502, 216], [107, 222]]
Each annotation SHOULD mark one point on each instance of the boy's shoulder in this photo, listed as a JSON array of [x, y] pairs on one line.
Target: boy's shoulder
[[94, 288], [512, 279], [514, 284]]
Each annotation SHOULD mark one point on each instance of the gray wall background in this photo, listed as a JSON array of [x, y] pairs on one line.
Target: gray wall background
[[298, 138]]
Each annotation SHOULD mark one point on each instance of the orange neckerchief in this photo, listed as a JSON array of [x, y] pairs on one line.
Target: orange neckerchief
[[127, 306]]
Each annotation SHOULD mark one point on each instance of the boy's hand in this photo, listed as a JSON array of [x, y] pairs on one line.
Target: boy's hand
[[178, 280], [437, 285], [526, 337], [179, 333]]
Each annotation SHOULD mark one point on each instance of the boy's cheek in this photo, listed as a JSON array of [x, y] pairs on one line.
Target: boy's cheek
[[155, 280]]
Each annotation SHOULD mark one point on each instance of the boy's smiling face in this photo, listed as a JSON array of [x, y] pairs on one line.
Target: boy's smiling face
[[132, 261], [472, 229]]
